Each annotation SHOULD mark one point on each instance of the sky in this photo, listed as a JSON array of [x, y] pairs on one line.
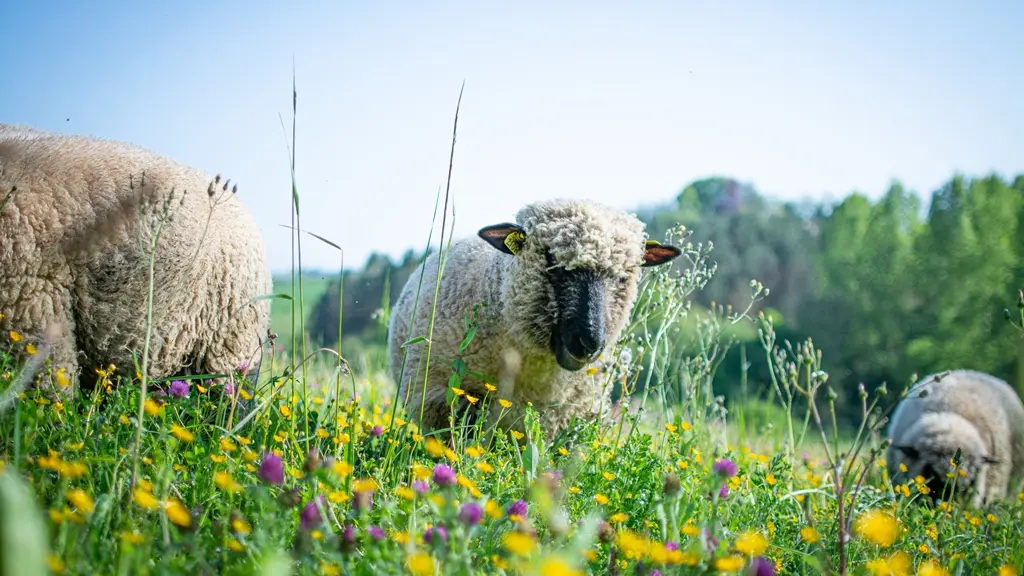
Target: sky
[[620, 102]]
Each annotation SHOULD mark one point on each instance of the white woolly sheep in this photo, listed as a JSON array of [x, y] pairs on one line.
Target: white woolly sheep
[[74, 261], [975, 412], [559, 287]]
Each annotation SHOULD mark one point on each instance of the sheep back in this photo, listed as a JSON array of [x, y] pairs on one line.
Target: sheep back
[[73, 240]]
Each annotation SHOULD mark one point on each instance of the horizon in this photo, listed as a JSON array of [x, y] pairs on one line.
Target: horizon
[[624, 105]]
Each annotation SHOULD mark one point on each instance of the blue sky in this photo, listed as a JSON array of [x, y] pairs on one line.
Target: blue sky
[[622, 102]]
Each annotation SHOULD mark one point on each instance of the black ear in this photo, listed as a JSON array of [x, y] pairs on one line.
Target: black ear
[[909, 452], [506, 237], [656, 253]]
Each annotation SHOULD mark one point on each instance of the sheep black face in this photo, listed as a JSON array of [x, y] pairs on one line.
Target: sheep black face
[[935, 467], [578, 327]]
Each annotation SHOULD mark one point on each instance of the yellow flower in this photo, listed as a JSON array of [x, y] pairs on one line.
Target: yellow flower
[[62, 379], [364, 485], [518, 543], [770, 479], [235, 545], [421, 564], [227, 444], [880, 527], [285, 411], [458, 391], [517, 434], [225, 482], [1007, 570], [690, 530], [405, 493], [729, 563], [55, 564], [601, 499], [30, 349], [492, 509], [16, 337], [809, 534], [132, 537], [484, 467], [592, 370], [420, 471], [241, 526], [618, 518], [178, 513], [490, 387], [472, 399], [504, 403], [329, 569], [218, 458], [434, 447], [475, 451], [152, 408], [557, 567], [181, 433], [931, 568], [751, 543], [342, 468], [896, 565], [80, 500], [608, 476], [145, 499]]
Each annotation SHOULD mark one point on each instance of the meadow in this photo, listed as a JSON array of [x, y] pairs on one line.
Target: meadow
[[313, 467]]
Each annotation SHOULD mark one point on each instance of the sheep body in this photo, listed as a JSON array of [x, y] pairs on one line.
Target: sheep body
[[973, 411], [597, 249], [75, 263]]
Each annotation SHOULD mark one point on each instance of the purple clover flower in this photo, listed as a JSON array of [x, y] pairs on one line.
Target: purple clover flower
[[471, 513], [725, 468], [671, 546], [179, 389], [377, 533], [229, 389], [436, 534], [444, 476], [420, 487], [519, 508], [761, 566], [376, 430], [310, 516], [271, 469]]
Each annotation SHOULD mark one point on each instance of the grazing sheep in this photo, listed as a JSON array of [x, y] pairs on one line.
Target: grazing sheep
[[975, 412], [74, 260], [559, 287]]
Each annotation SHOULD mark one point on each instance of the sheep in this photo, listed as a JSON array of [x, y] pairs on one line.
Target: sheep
[[974, 412], [557, 288], [75, 229]]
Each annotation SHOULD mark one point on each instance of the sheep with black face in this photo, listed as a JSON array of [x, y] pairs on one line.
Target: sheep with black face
[[559, 286], [974, 412]]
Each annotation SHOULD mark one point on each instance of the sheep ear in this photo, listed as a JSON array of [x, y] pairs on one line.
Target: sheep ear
[[506, 237], [656, 253]]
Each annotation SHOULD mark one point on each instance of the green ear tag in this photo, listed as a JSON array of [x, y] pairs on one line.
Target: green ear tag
[[651, 243], [514, 241]]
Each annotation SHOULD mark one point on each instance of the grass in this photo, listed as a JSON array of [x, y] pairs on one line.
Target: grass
[[314, 285], [319, 471]]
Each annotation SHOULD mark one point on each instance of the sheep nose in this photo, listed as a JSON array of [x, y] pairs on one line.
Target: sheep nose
[[589, 344]]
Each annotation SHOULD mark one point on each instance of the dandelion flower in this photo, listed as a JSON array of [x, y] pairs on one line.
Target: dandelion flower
[[518, 543], [880, 527], [809, 534], [751, 543], [80, 500], [181, 433], [504, 403], [30, 349], [178, 513], [420, 564], [145, 499], [729, 563], [16, 337], [601, 499]]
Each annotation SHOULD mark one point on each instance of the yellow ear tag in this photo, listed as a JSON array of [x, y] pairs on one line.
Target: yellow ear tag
[[651, 243], [514, 241]]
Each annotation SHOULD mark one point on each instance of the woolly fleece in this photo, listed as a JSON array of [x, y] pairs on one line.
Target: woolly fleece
[[512, 337], [71, 257], [976, 412]]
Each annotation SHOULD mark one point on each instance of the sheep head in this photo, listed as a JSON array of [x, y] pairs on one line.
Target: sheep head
[[572, 276], [935, 443]]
